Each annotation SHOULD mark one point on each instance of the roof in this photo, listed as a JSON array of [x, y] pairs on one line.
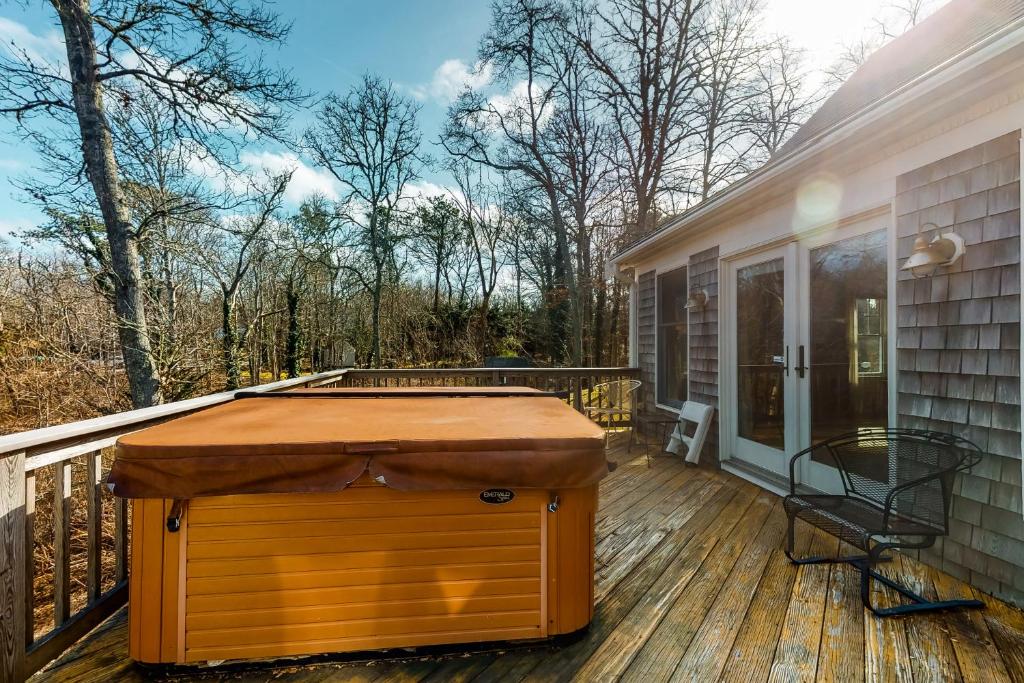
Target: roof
[[947, 34], [942, 36]]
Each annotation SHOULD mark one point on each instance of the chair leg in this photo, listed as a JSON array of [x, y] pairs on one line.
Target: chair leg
[[917, 604]]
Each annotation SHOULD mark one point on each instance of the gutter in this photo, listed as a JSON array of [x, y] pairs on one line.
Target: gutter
[[995, 43]]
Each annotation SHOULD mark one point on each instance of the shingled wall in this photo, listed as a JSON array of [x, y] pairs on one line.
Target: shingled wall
[[958, 342], [646, 302], [703, 326]]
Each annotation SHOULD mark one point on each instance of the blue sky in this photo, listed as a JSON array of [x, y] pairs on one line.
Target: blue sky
[[426, 47]]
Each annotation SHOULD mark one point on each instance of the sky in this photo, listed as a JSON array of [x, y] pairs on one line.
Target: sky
[[427, 48]]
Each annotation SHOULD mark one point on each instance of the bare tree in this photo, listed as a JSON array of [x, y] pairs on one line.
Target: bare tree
[[524, 44], [894, 20], [483, 220], [730, 51], [234, 247], [440, 229], [782, 100], [183, 53], [369, 141], [645, 52]]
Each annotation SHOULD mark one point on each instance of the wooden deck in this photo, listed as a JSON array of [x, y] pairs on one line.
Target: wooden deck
[[692, 584]]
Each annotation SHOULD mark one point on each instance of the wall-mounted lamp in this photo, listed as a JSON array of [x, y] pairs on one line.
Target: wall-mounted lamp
[[943, 250], [696, 301]]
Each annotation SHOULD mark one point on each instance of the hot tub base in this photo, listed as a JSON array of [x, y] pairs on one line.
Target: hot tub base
[[366, 568]]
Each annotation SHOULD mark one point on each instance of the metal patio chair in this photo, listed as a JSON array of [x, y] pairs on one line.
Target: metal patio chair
[[909, 509], [611, 399]]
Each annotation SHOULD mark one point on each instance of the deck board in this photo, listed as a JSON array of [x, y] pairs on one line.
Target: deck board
[[692, 584]]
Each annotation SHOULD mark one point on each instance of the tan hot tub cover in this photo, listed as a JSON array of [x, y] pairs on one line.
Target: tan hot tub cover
[[320, 441]]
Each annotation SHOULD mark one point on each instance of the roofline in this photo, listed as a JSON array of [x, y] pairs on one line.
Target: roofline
[[1012, 34]]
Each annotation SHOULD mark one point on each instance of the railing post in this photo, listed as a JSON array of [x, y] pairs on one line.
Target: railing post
[[29, 582], [12, 567], [94, 512], [61, 543]]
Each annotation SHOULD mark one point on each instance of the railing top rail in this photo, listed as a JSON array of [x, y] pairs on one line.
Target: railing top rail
[[58, 434], [509, 371]]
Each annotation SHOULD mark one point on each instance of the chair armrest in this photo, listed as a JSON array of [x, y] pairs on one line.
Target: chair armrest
[[792, 468], [899, 489]]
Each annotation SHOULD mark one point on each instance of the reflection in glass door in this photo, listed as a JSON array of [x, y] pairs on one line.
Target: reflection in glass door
[[763, 396], [847, 386], [760, 353]]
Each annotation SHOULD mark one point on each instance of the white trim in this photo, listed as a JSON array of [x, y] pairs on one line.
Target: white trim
[[1020, 300], [632, 349], [892, 367], [947, 72], [742, 473]]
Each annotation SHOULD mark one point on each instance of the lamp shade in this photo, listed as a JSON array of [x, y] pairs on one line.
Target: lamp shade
[[927, 257], [697, 300]]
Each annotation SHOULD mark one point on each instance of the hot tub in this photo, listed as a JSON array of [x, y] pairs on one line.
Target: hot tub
[[347, 520]]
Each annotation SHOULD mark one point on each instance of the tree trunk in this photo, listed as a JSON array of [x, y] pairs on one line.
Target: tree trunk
[[565, 257], [231, 370], [101, 169], [597, 352], [377, 296], [292, 342], [613, 329]]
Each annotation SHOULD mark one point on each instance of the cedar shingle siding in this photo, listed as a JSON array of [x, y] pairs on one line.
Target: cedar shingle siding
[[646, 301], [958, 356], [703, 275]]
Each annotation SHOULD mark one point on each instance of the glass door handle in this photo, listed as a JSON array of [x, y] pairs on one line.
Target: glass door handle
[[786, 363], [801, 369]]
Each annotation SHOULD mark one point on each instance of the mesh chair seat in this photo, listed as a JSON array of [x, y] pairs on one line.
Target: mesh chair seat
[[854, 520]]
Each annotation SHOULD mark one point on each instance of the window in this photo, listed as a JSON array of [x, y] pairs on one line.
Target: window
[[870, 331], [672, 346]]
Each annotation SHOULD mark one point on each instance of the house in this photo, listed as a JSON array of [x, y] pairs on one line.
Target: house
[[812, 325]]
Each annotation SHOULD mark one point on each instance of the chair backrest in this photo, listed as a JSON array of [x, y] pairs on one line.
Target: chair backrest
[[700, 414], [910, 470], [615, 394]]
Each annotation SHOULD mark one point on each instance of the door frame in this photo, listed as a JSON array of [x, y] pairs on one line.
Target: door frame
[[880, 217], [729, 375]]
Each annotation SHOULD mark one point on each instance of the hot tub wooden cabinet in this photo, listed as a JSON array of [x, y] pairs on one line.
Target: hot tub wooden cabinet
[[406, 521]]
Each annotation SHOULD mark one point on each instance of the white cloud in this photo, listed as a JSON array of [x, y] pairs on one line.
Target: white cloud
[[306, 180], [450, 78], [48, 46], [424, 189], [44, 50], [515, 104]]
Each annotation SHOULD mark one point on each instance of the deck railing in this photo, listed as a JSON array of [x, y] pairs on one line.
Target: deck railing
[[67, 452], [64, 451], [574, 383]]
